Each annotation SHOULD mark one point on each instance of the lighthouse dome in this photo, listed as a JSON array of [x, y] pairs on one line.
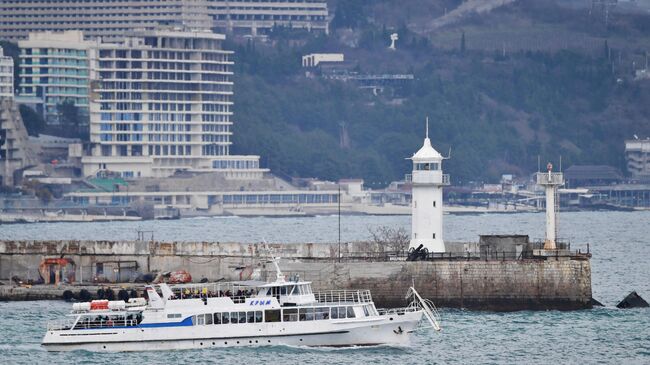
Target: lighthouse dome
[[427, 152]]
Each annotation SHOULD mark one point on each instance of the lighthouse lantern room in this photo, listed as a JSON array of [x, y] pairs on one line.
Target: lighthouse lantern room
[[427, 181]]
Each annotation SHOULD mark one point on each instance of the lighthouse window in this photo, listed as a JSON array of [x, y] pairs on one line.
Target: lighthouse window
[[434, 203], [434, 236]]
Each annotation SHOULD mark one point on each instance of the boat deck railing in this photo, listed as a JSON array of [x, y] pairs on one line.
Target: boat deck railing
[[237, 292], [397, 311], [68, 324], [61, 324], [343, 296]]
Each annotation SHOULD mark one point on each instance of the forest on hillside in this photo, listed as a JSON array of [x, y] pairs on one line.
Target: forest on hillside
[[495, 111]]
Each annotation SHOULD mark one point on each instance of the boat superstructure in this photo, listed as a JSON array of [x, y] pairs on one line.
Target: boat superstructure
[[282, 312]]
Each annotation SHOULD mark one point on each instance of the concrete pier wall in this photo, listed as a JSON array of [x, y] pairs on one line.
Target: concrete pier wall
[[509, 284]]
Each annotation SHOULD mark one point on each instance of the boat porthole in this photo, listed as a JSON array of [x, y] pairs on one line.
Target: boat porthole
[[256, 341], [104, 346], [301, 340], [237, 341], [391, 318], [213, 344], [201, 343], [269, 341], [225, 343]]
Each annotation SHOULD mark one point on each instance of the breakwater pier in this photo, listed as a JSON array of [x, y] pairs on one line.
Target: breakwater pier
[[498, 273]]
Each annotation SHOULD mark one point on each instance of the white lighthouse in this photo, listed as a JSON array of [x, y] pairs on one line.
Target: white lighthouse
[[428, 180]]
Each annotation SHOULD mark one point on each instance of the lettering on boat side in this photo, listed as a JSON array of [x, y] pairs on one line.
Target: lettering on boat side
[[260, 302]]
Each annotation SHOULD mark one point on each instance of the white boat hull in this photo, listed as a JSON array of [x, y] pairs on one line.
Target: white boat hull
[[389, 329]]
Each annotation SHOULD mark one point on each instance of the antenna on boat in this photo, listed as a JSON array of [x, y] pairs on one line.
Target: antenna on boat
[[279, 276]]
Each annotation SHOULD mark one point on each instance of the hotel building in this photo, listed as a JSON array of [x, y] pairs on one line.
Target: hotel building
[[6, 76], [162, 102], [115, 18], [57, 68]]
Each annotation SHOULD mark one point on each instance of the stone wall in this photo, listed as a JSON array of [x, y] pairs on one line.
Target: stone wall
[[553, 283]]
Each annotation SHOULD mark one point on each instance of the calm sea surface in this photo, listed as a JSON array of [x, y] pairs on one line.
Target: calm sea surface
[[619, 241]]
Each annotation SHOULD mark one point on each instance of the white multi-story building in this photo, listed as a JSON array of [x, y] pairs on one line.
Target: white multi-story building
[[115, 18], [6, 76], [163, 103], [56, 67], [637, 154], [260, 16]]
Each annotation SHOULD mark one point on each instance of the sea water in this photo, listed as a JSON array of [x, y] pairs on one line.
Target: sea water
[[619, 241]]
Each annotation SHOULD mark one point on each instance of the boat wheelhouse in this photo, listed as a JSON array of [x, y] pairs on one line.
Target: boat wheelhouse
[[282, 312]]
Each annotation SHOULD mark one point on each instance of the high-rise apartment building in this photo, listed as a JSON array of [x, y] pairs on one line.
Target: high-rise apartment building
[[260, 16], [6, 76], [115, 18], [56, 68], [162, 102]]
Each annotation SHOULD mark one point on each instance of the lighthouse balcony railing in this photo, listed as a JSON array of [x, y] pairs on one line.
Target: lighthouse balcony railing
[[554, 178], [429, 177]]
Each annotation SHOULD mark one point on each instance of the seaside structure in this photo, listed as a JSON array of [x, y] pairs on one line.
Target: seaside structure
[[427, 180], [637, 154], [117, 18], [163, 103], [55, 68], [6, 76], [550, 181]]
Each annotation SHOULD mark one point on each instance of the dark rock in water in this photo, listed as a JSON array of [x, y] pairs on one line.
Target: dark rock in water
[[595, 303], [633, 300]]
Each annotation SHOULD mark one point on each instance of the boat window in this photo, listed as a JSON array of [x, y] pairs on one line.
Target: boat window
[[321, 313], [174, 315], [283, 290], [350, 312], [225, 318], [250, 317], [242, 317], [234, 318], [208, 318], [200, 320], [272, 315], [306, 314], [217, 318], [292, 290], [365, 311], [193, 320], [258, 317], [290, 315], [341, 311], [335, 313]]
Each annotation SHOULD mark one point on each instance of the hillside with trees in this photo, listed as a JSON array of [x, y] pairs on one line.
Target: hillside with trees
[[496, 109]]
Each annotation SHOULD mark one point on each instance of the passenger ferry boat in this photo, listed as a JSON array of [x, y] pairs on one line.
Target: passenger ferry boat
[[282, 312]]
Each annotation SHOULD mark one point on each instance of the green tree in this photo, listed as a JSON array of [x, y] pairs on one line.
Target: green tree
[[33, 121], [70, 119]]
